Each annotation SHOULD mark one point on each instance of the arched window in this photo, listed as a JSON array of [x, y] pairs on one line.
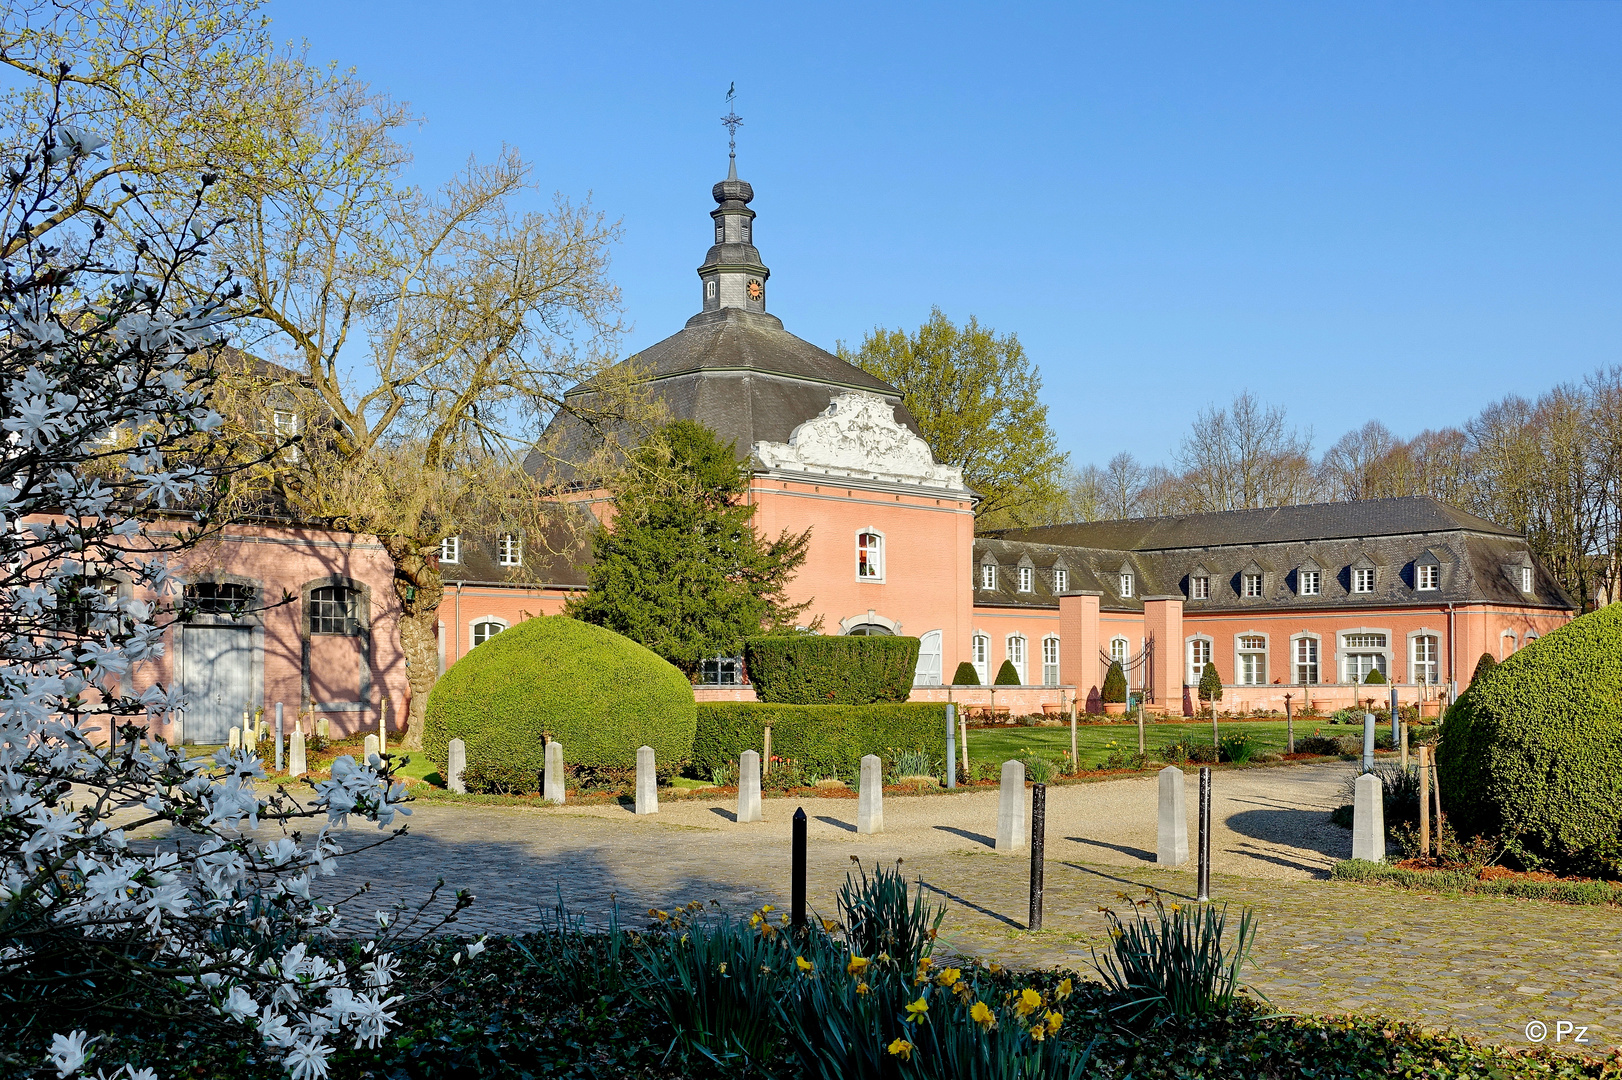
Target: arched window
[[928, 672], [1016, 656], [1050, 661], [980, 657], [1506, 645], [1425, 662], [1118, 647], [334, 610], [1199, 654], [1252, 660], [485, 629], [869, 556]]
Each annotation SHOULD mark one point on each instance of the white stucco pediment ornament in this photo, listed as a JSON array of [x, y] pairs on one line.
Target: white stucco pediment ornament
[[858, 436]]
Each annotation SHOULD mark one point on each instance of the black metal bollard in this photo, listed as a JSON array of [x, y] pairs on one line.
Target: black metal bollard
[[1039, 824], [797, 873], [1205, 833]]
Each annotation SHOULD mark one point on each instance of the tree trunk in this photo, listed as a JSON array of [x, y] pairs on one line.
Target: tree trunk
[[418, 584]]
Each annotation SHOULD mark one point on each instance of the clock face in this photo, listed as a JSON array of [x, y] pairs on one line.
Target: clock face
[[755, 291]]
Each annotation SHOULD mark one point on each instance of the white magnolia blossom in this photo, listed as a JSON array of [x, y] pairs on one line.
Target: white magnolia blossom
[[84, 353]]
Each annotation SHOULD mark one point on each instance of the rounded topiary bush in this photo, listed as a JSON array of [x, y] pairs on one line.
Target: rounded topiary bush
[[1007, 675], [599, 694], [1534, 747], [966, 675], [1115, 684]]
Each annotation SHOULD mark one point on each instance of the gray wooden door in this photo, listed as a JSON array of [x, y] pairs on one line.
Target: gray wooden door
[[218, 680]]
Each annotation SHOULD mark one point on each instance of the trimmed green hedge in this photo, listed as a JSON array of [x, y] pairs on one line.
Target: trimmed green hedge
[[1007, 675], [815, 669], [1534, 746], [831, 739], [966, 675], [599, 694], [1457, 881]]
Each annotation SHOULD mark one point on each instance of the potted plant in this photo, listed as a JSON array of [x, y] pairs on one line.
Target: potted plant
[[1115, 690]]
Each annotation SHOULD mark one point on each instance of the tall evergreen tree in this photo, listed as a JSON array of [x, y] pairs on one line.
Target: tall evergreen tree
[[681, 569]]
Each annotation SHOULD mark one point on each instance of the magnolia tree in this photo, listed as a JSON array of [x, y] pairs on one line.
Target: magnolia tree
[[104, 386]]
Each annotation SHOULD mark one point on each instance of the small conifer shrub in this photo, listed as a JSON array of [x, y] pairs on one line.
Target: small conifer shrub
[[965, 675]]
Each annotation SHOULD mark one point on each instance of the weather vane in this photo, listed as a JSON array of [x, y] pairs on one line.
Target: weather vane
[[732, 120]]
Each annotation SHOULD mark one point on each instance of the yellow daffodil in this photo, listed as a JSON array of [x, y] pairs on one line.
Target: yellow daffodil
[[925, 963], [828, 925], [995, 969], [902, 1049], [916, 1011], [1029, 1001], [981, 1014], [754, 920], [1054, 1019], [767, 907], [883, 957], [803, 964], [857, 965], [722, 969], [949, 976], [861, 988], [1066, 988], [1038, 1033]]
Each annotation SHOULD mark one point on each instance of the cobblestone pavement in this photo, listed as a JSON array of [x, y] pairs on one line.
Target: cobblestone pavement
[[1485, 966]]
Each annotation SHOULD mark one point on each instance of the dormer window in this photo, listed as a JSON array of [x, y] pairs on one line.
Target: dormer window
[[1126, 584], [509, 550], [1427, 577], [1363, 579], [869, 556], [1199, 587], [1027, 579], [1526, 579], [1252, 585], [988, 576], [1308, 582], [1061, 580], [450, 549], [709, 289]]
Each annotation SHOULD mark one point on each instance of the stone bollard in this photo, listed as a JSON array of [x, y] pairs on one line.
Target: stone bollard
[[749, 786], [870, 799], [556, 791], [455, 766], [1171, 836], [1368, 819], [234, 740], [1011, 822], [371, 748], [1368, 741], [295, 754], [647, 782]]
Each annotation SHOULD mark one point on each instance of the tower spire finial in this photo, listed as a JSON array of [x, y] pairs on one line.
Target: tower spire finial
[[732, 120]]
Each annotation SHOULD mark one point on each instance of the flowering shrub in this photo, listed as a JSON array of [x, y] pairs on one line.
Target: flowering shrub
[[105, 372]]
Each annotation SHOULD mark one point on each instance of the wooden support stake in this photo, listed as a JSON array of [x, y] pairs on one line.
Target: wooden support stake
[[963, 729], [1424, 802], [766, 754]]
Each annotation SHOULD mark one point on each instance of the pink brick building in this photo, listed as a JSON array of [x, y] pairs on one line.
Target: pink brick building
[[1299, 600]]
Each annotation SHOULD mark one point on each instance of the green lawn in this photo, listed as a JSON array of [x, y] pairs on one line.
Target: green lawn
[[1095, 741]]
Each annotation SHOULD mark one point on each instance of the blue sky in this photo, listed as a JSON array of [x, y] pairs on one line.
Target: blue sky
[[1393, 211]]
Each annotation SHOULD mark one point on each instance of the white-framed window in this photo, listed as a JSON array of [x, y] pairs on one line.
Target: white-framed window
[[988, 575], [1360, 658], [285, 424], [869, 556], [709, 289], [1253, 585], [1425, 662], [1199, 588], [720, 671], [1119, 649], [1050, 661], [509, 550], [1363, 579], [928, 671], [1526, 579], [485, 629], [450, 549], [1308, 582], [1252, 660], [1427, 577], [1016, 655], [1061, 580], [1199, 654], [1027, 579], [1306, 661], [980, 657], [1126, 584]]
